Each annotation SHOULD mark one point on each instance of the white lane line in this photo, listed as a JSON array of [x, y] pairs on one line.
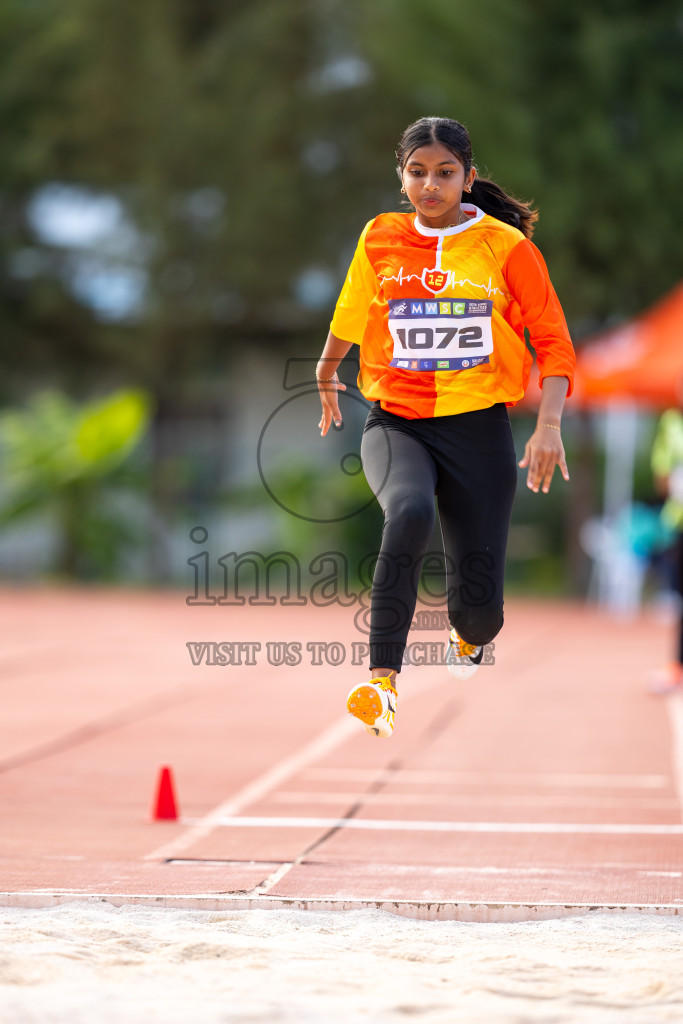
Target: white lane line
[[387, 825], [675, 706], [475, 800], [444, 777], [433, 870], [200, 828], [275, 877]]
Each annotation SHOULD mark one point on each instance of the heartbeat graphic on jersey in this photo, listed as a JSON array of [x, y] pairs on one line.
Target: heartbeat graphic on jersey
[[488, 288], [400, 278], [437, 280]]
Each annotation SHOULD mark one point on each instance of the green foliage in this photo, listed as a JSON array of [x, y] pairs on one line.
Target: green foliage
[[608, 141], [248, 143], [346, 515], [68, 460]]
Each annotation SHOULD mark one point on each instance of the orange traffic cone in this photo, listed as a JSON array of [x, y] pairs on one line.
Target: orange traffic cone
[[165, 808]]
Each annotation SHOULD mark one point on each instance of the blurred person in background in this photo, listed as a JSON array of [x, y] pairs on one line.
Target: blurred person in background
[[667, 468], [438, 299]]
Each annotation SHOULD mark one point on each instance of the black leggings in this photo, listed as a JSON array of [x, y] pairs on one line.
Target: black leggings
[[679, 582], [468, 461]]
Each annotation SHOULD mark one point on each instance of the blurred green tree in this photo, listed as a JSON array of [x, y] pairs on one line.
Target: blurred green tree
[[248, 143], [68, 460], [608, 143], [239, 149]]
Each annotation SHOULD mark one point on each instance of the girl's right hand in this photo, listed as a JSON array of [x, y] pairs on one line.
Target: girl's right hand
[[330, 403]]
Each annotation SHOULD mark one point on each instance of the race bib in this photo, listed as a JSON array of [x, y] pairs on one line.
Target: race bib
[[440, 334]]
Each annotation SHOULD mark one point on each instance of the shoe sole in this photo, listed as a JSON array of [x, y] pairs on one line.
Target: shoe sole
[[364, 703], [461, 670]]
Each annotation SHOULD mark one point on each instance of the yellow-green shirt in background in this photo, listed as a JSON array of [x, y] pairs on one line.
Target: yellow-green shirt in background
[[667, 457]]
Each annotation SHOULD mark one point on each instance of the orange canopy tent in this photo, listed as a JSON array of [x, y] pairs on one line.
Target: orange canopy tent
[[640, 362], [637, 366]]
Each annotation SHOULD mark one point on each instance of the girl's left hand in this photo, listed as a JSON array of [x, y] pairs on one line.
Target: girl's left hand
[[543, 451], [327, 390]]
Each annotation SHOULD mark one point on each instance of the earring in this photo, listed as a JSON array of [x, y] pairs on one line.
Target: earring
[[403, 191]]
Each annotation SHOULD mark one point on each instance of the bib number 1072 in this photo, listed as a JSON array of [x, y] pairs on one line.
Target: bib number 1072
[[435, 338]]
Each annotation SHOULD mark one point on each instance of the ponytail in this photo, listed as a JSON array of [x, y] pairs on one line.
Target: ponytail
[[488, 196], [492, 199]]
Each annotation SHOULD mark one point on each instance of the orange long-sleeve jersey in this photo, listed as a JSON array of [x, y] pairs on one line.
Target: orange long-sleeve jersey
[[439, 315]]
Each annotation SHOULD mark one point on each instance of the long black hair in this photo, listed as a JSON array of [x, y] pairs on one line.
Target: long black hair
[[486, 194]]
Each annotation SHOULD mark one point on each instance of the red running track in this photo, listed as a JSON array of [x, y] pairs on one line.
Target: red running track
[[548, 783]]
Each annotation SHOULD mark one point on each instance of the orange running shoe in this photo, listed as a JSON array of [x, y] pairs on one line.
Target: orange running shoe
[[462, 659], [374, 705]]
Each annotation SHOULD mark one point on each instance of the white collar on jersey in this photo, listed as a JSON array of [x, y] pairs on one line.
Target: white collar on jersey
[[468, 208]]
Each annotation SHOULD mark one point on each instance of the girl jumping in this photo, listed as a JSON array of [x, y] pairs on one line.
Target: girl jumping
[[437, 299]]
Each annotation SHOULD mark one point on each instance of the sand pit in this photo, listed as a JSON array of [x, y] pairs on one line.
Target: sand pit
[[88, 962]]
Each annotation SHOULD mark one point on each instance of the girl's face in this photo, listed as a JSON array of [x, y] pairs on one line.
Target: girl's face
[[434, 179]]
